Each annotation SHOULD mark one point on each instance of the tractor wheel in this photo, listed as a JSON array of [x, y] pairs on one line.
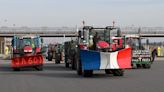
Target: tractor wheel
[[134, 66], [39, 68], [49, 58], [118, 72], [66, 65], [16, 69], [57, 58], [79, 68], [74, 64], [138, 66], [88, 73], [107, 71], [146, 66], [57, 61]]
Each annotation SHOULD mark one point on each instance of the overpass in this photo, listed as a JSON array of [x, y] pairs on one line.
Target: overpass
[[41, 31], [41, 35], [72, 31], [144, 31]]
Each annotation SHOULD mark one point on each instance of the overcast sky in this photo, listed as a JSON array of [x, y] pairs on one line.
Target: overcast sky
[[72, 12]]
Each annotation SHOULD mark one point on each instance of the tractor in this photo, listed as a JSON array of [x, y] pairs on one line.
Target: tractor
[[70, 48], [55, 52], [102, 49], [141, 55], [27, 52]]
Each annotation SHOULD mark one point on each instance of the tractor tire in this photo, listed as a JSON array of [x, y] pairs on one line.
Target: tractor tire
[[57, 59], [39, 68], [74, 66], [107, 71], [134, 66], [16, 69], [88, 73], [146, 66], [66, 65], [79, 68], [66, 62], [138, 65], [49, 58], [57, 62], [118, 72]]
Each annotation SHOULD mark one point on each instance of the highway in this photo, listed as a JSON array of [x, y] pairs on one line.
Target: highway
[[57, 78]]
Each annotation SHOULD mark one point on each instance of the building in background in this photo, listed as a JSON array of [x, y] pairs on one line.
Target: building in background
[[5, 42]]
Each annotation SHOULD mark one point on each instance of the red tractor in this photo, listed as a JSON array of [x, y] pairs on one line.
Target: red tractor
[[102, 49], [27, 52]]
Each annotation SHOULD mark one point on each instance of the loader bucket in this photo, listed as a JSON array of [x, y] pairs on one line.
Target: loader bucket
[[94, 60], [124, 58], [26, 61]]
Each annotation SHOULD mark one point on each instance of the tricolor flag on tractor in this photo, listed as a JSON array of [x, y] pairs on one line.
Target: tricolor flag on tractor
[[94, 60]]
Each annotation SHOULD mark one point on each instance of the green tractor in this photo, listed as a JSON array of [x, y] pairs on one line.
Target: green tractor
[[58, 53], [141, 56], [55, 52], [70, 48]]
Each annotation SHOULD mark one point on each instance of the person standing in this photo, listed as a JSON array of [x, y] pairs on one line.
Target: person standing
[[154, 54]]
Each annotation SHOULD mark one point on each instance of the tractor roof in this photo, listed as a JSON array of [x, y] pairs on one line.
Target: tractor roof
[[27, 36], [132, 36]]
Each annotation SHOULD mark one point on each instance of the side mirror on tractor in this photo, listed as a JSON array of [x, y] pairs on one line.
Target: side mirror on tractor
[[41, 40], [79, 33], [43, 50]]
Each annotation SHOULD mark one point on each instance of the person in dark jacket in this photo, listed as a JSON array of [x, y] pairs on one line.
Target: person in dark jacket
[[96, 38], [154, 54]]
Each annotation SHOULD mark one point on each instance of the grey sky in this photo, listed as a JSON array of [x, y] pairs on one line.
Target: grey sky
[[72, 12]]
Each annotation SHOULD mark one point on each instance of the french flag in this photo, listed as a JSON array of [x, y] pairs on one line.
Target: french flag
[[94, 60]]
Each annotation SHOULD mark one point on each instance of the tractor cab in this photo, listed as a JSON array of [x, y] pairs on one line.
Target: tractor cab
[[105, 39], [134, 41], [26, 45]]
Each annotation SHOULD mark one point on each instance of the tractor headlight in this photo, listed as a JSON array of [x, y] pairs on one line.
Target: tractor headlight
[[84, 41], [27, 50], [91, 36]]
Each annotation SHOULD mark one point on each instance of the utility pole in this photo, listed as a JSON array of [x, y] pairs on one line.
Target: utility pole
[[83, 22], [114, 23]]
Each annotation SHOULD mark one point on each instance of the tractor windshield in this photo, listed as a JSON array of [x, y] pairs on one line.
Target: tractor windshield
[[133, 42], [37, 42], [103, 34], [27, 41]]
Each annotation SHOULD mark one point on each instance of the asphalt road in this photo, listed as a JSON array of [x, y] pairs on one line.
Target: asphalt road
[[57, 78]]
